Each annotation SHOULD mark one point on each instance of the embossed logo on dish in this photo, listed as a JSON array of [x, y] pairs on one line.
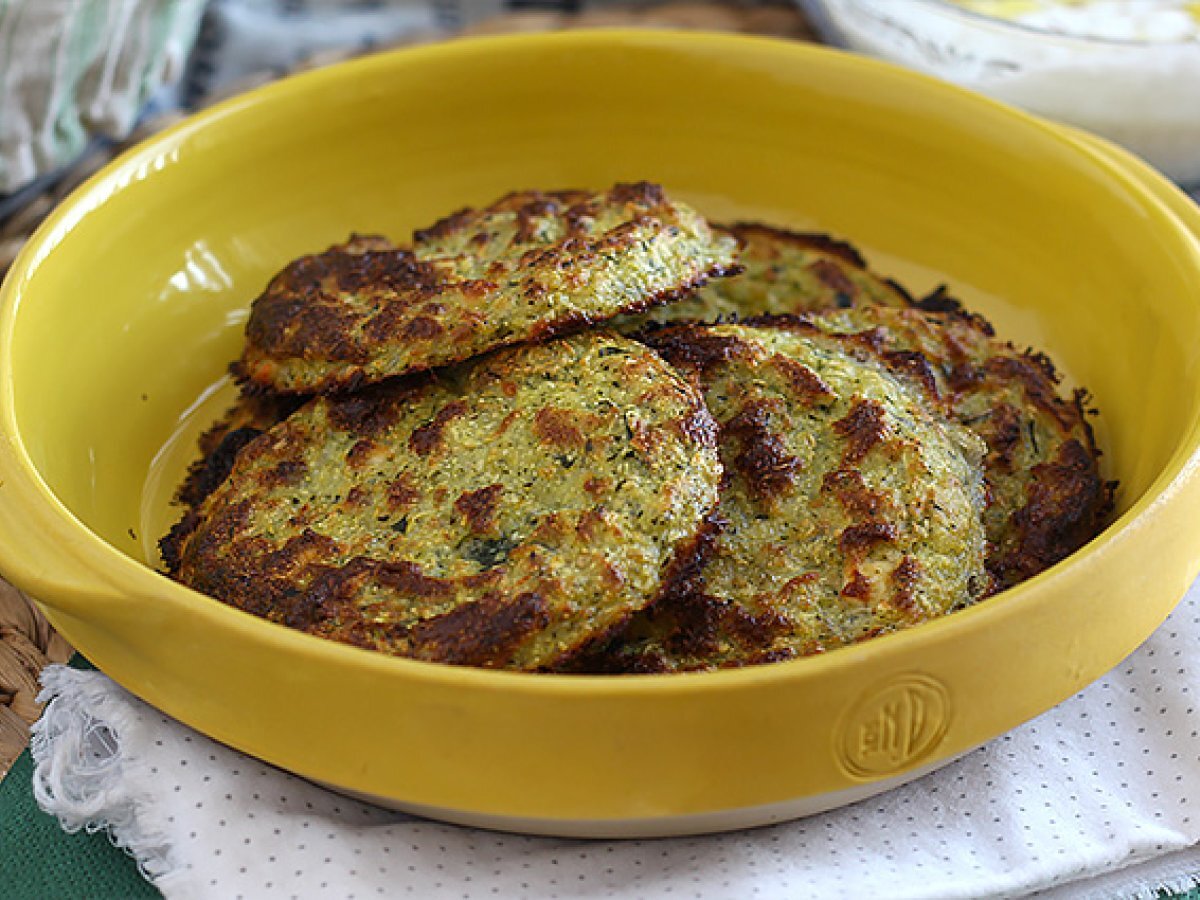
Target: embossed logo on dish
[[894, 726]]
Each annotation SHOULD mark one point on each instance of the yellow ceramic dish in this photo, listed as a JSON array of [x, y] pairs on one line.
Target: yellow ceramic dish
[[117, 322]]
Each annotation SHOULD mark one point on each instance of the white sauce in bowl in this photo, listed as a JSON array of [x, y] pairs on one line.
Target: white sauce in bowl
[[1126, 69]]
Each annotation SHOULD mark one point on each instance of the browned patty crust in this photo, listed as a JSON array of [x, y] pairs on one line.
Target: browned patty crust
[[527, 267], [1046, 497], [250, 416], [504, 513]]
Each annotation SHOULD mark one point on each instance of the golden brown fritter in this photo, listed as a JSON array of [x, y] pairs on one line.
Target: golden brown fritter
[[1046, 496], [529, 266], [850, 509], [784, 272], [503, 513]]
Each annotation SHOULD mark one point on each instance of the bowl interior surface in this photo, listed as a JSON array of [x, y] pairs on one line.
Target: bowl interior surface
[[122, 317]]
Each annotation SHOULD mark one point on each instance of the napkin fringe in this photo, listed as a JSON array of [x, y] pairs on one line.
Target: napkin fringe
[[86, 772]]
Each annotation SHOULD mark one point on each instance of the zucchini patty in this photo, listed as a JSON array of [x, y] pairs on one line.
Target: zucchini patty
[[850, 510], [503, 513], [1046, 498], [782, 272], [529, 266]]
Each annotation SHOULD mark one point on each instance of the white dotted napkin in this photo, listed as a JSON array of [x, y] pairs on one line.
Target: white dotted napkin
[[1100, 797]]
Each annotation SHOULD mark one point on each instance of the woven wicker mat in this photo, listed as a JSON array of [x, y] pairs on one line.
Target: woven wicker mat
[[27, 642]]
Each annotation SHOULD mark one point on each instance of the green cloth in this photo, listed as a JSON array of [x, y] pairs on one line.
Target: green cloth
[[40, 861]]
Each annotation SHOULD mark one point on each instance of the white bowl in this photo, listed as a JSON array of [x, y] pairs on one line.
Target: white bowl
[[1127, 71]]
